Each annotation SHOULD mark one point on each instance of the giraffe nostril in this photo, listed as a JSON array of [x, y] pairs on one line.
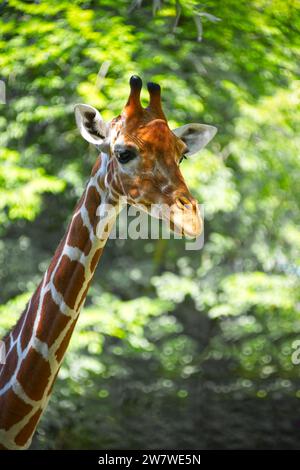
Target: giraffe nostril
[[184, 203]]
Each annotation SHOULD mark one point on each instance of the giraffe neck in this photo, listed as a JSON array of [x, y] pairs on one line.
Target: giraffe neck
[[37, 344]]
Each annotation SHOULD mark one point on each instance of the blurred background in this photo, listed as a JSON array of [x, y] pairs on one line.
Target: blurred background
[[174, 349]]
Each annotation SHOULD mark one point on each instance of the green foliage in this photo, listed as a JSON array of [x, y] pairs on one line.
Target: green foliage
[[21, 188], [174, 349]]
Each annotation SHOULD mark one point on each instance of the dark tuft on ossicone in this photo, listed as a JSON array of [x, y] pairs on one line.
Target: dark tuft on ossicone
[[135, 82], [153, 87]]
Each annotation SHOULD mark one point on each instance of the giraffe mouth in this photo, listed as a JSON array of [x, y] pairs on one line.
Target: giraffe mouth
[[184, 221], [188, 223]]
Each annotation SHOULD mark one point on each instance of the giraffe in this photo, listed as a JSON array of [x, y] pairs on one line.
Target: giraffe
[[138, 164]]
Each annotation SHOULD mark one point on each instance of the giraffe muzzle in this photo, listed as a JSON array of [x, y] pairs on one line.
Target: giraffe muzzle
[[184, 217]]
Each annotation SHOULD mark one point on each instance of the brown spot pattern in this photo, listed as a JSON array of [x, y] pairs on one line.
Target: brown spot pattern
[[17, 328], [28, 429], [94, 201], [52, 321], [69, 279], [65, 342], [79, 235], [95, 259], [34, 374], [30, 317], [10, 366], [12, 409], [55, 258], [84, 295], [97, 165]]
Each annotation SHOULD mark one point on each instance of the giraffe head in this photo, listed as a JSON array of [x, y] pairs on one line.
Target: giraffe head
[[144, 154]]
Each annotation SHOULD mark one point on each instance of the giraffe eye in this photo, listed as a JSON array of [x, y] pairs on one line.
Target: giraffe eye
[[125, 156], [184, 157]]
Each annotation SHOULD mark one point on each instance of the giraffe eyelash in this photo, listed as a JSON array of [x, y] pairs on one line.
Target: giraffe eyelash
[[184, 157]]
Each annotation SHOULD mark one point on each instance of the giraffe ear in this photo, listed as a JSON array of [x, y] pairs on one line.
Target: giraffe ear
[[90, 124], [195, 136]]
